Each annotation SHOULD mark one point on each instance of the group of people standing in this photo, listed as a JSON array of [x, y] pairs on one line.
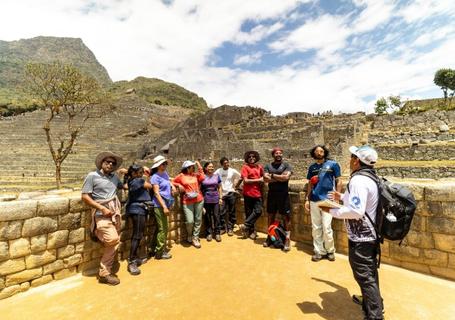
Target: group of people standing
[[214, 192]]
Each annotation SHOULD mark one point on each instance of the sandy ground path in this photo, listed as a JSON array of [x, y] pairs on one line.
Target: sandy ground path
[[234, 279]]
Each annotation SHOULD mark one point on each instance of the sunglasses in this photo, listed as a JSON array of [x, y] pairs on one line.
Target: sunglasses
[[113, 163]]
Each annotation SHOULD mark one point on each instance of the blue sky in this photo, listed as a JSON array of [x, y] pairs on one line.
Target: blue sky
[[281, 55]]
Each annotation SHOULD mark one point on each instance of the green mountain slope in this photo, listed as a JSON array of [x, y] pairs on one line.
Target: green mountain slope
[[160, 92]]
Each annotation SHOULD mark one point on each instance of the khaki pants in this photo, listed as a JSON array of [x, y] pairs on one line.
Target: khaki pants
[[321, 223], [108, 235]]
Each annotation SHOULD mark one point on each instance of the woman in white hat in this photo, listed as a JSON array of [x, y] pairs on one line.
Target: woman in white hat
[[162, 202], [193, 201]]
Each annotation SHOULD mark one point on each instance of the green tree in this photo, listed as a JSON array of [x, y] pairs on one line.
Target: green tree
[[445, 79], [70, 95], [389, 104]]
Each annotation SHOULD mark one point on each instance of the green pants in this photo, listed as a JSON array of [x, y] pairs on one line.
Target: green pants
[[160, 235], [193, 218]]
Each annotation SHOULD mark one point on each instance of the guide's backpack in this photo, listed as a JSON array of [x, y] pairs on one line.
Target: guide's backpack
[[276, 235], [396, 208]]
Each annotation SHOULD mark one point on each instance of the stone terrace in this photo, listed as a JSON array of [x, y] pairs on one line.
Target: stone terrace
[[26, 163]]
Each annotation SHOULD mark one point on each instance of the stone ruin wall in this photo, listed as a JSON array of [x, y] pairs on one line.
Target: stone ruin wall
[[45, 238]]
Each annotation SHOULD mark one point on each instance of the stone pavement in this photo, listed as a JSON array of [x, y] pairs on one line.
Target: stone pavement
[[234, 279]]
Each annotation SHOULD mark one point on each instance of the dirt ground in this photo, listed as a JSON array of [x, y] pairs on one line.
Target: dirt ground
[[234, 279]]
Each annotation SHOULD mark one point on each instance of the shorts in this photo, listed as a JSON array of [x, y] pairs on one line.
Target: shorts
[[278, 202]]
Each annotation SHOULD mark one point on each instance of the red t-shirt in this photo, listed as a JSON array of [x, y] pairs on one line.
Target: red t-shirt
[[254, 171], [190, 182]]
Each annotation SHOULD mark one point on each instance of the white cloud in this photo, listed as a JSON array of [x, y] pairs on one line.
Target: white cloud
[[176, 42], [434, 35], [248, 59]]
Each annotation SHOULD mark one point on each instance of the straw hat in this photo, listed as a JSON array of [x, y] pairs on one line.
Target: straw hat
[[107, 154]]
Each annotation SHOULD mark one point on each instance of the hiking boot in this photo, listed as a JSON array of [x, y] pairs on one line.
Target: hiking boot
[[195, 242], [253, 235], [218, 238], [133, 269], [244, 230], [330, 256], [109, 279], [230, 233], [287, 245], [164, 255], [316, 257], [189, 239], [223, 231], [209, 237]]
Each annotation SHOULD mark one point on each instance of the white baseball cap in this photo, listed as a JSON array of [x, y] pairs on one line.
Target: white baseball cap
[[188, 163], [365, 153]]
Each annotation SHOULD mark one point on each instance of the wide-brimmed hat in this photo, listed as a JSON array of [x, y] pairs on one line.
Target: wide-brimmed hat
[[366, 154], [188, 163], [157, 161], [255, 153], [107, 154]]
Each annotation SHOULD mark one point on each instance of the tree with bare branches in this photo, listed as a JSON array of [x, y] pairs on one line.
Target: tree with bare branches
[[70, 95]]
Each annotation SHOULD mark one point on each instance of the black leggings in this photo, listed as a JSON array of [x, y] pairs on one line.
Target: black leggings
[[138, 232]]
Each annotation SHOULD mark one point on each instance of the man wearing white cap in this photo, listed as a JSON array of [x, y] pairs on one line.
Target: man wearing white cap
[[361, 199], [100, 192]]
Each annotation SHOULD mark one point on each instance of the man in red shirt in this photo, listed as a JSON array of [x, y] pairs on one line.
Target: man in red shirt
[[252, 175]]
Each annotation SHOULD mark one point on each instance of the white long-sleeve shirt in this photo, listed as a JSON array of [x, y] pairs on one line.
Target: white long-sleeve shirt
[[361, 198]]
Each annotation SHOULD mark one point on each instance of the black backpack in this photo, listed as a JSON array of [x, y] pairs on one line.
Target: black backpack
[[276, 235], [396, 208]]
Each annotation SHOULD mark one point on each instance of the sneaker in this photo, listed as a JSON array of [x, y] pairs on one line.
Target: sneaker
[[330, 256], [133, 269], [253, 235], [287, 245], [195, 242], [230, 232], [223, 231], [316, 257], [209, 237], [110, 280], [265, 244], [164, 255], [218, 238]]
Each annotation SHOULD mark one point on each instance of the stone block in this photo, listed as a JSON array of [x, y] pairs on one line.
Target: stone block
[[403, 253], [57, 239], [66, 251], [442, 209], [39, 225], [10, 291], [420, 239], [40, 281], [79, 247], [69, 221], [419, 223], [53, 206], [439, 271], [422, 209], [2, 283], [441, 225], [65, 273], [73, 260], [90, 267], [23, 276], [76, 204], [10, 230], [38, 243], [416, 267], [50, 268], [444, 242], [451, 261], [39, 259], [18, 210], [76, 236], [19, 248], [11, 266], [434, 257], [440, 192], [4, 251]]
